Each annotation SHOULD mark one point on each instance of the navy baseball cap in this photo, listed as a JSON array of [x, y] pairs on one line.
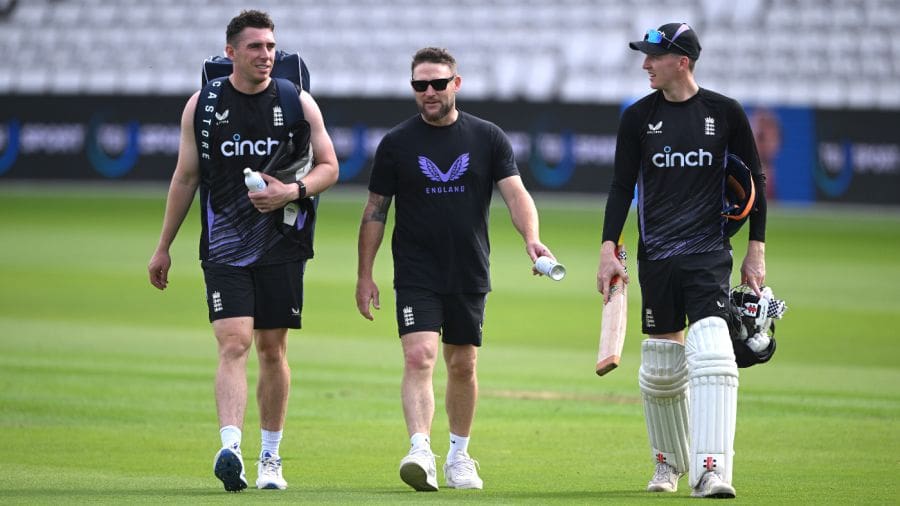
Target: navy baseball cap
[[677, 38]]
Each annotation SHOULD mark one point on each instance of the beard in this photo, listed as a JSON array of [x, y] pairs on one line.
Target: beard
[[441, 113]]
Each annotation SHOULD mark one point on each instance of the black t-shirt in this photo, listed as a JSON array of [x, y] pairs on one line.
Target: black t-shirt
[[443, 179], [246, 130], [675, 153]]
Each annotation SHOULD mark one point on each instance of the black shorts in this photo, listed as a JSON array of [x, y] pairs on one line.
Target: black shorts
[[271, 294], [689, 286], [456, 316]]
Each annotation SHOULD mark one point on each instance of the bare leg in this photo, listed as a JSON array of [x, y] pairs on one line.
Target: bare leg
[[462, 387], [419, 354], [460, 470], [234, 336], [274, 378], [417, 391]]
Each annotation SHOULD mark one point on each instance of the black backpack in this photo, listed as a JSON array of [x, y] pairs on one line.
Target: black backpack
[[287, 65]]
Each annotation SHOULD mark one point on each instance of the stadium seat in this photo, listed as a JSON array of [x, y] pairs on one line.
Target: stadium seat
[[802, 52]]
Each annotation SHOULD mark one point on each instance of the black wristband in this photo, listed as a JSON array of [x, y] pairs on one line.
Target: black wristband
[[301, 186]]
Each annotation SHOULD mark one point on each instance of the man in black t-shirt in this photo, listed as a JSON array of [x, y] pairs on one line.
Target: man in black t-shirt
[[253, 271], [674, 144], [441, 165]]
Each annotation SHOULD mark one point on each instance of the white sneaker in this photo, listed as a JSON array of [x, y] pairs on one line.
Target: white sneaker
[[665, 479], [462, 472], [228, 465], [269, 472], [713, 486], [417, 470]]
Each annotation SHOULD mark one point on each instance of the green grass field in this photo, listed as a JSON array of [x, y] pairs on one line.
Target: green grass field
[[106, 383]]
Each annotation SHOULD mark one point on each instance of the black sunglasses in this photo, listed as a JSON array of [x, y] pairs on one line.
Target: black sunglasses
[[437, 84]]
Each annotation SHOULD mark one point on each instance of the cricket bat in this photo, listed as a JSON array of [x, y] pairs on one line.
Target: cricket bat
[[612, 326]]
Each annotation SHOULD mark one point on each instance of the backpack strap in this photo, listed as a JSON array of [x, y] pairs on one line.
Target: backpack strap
[[204, 115], [293, 113], [289, 96]]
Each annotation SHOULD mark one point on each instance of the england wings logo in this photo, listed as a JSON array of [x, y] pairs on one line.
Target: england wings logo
[[432, 172]]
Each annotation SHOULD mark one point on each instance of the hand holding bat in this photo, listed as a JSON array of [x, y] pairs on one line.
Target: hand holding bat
[[612, 278]]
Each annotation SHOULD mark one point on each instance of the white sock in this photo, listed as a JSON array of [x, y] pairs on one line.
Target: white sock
[[420, 440], [271, 439], [230, 435], [458, 446]]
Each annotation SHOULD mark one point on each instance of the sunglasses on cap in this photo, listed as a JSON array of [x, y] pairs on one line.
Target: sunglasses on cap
[[437, 84], [657, 37]]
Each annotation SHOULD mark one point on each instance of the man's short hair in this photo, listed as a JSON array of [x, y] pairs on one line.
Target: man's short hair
[[247, 19], [433, 55]]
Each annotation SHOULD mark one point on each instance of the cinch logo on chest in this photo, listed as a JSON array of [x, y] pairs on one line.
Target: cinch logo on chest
[[248, 147], [668, 159], [432, 172]]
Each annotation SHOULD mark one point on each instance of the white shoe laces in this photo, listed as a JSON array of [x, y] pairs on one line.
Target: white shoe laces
[[463, 466], [425, 453], [270, 465], [664, 473]]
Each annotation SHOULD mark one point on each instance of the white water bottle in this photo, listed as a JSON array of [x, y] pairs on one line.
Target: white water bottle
[[255, 182]]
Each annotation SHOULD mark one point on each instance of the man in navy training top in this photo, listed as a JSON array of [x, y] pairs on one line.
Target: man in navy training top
[[673, 145], [252, 265]]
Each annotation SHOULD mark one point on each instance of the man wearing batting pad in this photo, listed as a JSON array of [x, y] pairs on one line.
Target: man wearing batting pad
[[441, 165], [673, 144]]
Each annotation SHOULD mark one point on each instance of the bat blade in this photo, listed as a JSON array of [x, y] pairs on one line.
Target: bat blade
[[612, 327]]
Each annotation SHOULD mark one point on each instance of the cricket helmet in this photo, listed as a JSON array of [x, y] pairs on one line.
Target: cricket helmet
[[739, 195], [752, 324]]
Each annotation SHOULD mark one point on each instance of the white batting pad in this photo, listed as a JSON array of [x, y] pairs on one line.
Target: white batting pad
[[713, 377], [663, 378]]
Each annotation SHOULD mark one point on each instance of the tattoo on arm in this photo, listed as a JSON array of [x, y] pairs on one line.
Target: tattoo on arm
[[377, 209]]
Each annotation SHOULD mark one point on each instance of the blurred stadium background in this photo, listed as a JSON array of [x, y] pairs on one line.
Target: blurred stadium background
[[92, 90]]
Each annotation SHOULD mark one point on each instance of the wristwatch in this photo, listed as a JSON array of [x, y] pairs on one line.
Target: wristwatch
[[301, 186]]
